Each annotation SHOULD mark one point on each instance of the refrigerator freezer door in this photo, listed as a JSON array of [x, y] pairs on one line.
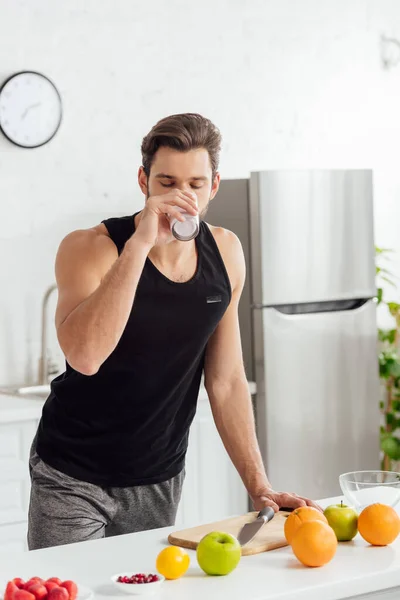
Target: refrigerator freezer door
[[312, 236], [317, 397], [231, 210]]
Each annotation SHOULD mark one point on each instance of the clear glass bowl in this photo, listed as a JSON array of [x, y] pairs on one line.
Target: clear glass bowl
[[362, 488]]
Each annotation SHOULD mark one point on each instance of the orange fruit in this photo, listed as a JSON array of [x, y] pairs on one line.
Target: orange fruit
[[314, 543], [172, 562], [299, 516], [379, 524]]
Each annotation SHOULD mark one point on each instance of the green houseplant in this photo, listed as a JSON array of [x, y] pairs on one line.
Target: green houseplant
[[389, 365]]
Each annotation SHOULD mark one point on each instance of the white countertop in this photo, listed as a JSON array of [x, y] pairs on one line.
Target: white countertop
[[17, 408], [356, 569]]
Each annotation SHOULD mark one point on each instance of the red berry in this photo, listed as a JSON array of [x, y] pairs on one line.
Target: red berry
[[59, 593], [10, 590], [32, 581], [56, 580], [19, 582], [38, 590], [71, 588], [50, 585], [138, 578], [23, 595]]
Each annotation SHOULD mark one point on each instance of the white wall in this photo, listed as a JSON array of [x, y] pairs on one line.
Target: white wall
[[291, 83]]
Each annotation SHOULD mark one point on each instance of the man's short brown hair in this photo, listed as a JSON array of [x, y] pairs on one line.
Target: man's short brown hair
[[184, 132]]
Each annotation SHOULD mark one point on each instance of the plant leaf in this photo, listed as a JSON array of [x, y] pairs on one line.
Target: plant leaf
[[386, 271], [390, 419], [389, 281], [387, 335], [394, 369], [391, 447], [394, 308], [379, 250]]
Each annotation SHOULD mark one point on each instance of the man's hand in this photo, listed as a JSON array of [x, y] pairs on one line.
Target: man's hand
[[153, 227], [281, 499]]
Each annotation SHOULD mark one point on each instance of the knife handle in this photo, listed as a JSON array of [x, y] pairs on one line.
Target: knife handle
[[266, 513]]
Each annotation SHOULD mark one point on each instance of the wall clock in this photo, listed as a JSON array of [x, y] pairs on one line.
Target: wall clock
[[30, 109]]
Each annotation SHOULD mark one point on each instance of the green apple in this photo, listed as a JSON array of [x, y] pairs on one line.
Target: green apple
[[343, 520], [218, 553]]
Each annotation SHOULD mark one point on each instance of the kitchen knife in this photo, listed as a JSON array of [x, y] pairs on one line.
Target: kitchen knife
[[251, 529]]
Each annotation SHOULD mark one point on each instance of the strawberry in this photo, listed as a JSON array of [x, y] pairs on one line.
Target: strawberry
[[71, 588], [32, 581], [50, 585], [56, 580], [23, 595], [38, 590], [10, 590], [59, 593], [19, 582]]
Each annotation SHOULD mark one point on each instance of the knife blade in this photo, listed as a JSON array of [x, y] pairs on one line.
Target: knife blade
[[250, 530]]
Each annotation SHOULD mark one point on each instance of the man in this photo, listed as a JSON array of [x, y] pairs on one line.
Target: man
[[137, 332]]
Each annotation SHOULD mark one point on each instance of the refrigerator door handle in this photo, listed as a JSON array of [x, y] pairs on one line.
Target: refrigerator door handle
[[316, 307]]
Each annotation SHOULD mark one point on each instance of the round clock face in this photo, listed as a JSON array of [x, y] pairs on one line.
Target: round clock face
[[30, 109]]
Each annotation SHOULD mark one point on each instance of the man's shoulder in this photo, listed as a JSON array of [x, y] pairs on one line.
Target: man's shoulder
[[231, 251], [92, 243], [225, 237], [227, 241]]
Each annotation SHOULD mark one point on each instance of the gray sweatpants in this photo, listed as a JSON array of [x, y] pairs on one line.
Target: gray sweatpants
[[63, 510]]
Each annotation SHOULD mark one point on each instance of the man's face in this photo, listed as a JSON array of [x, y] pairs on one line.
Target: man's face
[[189, 171]]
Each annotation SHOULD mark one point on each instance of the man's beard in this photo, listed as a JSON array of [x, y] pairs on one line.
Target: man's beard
[[204, 211]]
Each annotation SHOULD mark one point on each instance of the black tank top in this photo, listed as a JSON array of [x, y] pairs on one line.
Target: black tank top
[[128, 424]]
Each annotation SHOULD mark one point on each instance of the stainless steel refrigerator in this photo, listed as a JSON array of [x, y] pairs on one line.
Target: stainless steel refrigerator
[[308, 320]]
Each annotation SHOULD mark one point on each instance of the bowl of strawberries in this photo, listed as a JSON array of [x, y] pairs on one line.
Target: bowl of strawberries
[[37, 588]]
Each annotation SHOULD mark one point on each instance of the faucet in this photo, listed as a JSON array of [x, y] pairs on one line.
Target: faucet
[[45, 369]]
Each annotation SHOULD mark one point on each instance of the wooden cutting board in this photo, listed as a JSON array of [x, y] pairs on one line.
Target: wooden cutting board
[[269, 537]]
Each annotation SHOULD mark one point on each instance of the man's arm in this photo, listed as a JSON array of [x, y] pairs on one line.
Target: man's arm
[[96, 289], [228, 391]]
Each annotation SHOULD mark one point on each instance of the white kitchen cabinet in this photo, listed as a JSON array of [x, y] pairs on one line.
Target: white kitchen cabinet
[[15, 441], [13, 537], [213, 489]]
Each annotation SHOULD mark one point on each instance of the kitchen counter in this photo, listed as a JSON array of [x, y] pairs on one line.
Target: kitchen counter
[[15, 408], [22, 408], [357, 571]]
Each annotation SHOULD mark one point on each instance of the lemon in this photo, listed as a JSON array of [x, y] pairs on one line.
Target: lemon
[[172, 562]]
